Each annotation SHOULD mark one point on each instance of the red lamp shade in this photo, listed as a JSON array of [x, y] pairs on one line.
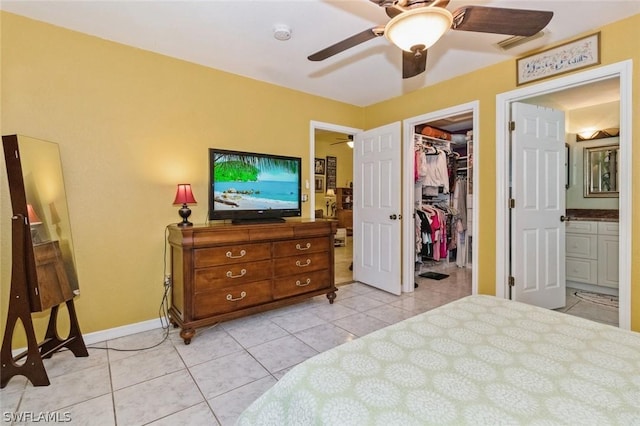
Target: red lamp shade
[[33, 217], [184, 194]]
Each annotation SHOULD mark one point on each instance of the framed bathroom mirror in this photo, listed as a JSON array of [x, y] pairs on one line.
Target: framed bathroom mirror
[[601, 171]]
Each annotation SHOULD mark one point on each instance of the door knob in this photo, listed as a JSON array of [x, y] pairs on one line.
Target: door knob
[[393, 217], [564, 219]]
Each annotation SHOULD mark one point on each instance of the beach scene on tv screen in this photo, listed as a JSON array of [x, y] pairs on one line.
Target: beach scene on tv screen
[[244, 182]]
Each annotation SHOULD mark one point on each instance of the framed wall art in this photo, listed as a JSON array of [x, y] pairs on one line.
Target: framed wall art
[[319, 166], [571, 56], [332, 167]]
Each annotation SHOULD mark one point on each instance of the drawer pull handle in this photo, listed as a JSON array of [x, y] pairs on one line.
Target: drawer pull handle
[[302, 265], [242, 273], [306, 283], [231, 256], [306, 247], [230, 298]]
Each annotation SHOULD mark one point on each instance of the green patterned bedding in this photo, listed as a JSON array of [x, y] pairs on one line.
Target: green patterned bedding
[[480, 360]]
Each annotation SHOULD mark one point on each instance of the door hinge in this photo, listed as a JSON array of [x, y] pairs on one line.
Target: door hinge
[[512, 281], [512, 125], [512, 203]]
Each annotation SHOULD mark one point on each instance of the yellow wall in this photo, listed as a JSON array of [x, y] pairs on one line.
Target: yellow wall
[[131, 125], [620, 41]]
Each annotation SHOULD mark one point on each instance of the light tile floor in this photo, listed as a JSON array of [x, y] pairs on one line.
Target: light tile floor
[[589, 310], [343, 258], [225, 368], [222, 371]]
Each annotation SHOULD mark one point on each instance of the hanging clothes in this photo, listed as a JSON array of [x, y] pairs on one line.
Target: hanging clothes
[[437, 173], [460, 204]]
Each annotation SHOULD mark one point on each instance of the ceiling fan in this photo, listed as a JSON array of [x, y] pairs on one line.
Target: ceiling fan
[[348, 140], [416, 25]]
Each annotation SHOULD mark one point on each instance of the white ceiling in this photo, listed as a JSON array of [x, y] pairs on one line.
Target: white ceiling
[[237, 36]]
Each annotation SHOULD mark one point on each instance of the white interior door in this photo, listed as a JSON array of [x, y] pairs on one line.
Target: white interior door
[[538, 189], [377, 210]]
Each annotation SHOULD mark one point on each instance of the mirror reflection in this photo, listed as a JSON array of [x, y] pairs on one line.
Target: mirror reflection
[[601, 171], [47, 202]]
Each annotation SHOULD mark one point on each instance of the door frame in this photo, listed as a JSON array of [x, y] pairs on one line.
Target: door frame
[[621, 70], [408, 193], [319, 125]]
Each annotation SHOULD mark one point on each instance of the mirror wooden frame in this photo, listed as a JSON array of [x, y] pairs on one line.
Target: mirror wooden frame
[[38, 283], [601, 171]]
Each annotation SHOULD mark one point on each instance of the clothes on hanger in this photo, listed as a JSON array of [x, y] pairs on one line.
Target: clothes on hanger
[[432, 169]]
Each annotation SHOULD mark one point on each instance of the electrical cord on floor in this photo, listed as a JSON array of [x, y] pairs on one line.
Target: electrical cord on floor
[[163, 311]]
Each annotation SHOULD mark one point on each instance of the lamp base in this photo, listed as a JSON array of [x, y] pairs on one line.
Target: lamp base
[[184, 213]]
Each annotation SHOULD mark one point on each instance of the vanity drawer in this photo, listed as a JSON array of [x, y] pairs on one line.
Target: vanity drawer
[[608, 228], [582, 270], [582, 227], [582, 245]]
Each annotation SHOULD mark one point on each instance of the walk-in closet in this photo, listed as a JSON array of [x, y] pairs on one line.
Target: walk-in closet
[[443, 185]]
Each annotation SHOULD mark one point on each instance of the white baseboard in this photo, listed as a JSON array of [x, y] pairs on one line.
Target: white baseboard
[[112, 333], [125, 330]]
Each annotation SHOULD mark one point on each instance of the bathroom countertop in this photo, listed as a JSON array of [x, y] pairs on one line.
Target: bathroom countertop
[[594, 215]]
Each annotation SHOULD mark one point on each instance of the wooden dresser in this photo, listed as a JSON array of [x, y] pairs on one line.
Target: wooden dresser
[[225, 271]]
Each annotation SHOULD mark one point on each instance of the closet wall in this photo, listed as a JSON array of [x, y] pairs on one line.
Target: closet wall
[[444, 191]]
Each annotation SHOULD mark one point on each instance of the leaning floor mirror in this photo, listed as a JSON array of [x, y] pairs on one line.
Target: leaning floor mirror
[[43, 274]]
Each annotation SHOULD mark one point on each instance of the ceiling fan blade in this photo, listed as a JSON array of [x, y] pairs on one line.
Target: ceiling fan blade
[[396, 9], [413, 64], [393, 11], [347, 43], [499, 20]]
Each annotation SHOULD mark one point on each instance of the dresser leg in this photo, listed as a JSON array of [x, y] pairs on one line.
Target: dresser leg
[[331, 296], [187, 334]]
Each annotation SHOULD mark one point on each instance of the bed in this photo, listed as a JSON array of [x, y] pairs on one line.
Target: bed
[[478, 360]]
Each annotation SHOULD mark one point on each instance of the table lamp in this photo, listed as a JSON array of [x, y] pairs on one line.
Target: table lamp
[[184, 196], [330, 194]]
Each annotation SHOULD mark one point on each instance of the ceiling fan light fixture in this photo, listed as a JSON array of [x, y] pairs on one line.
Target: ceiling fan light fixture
[[418, 27]]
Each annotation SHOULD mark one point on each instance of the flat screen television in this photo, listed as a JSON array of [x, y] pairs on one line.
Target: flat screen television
[[249, 186]]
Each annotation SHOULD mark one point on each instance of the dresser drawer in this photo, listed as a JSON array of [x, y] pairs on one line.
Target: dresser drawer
[[582, 227], [231, 298], [301, 246], [582, 245], [235, 273], [214, 256], [582, 270], [300, 284], [295, 265]]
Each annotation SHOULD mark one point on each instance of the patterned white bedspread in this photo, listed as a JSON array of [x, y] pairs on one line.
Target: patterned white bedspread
[[480, 360]]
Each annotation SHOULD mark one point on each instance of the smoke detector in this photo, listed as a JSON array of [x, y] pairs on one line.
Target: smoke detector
[[282, 32]]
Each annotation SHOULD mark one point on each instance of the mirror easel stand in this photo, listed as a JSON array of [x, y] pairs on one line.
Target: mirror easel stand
[[29, 283], [19, 310]]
